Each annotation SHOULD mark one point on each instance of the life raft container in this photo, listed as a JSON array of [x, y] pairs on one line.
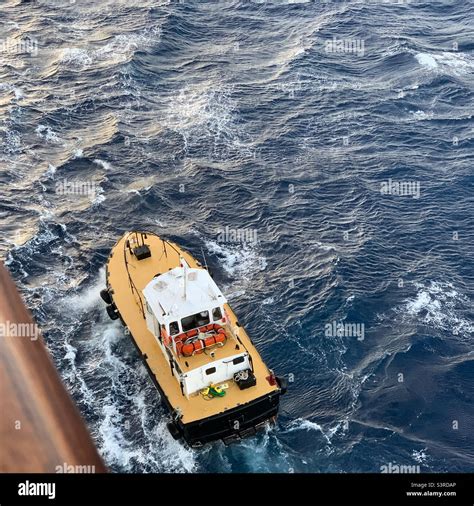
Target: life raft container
[[188, 343]]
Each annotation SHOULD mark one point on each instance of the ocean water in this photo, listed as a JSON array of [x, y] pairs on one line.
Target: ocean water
[[293, 123]]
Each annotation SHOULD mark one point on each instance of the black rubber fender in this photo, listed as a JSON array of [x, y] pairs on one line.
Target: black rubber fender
[[112, 312], [105, 296], [282, 383]]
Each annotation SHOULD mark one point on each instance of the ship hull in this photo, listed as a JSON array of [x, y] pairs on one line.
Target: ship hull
[[235, 424]]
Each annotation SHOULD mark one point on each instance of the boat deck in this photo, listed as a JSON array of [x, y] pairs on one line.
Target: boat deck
[[127, 295]]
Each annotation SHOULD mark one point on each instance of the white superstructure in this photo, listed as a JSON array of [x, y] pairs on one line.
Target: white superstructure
[[181, 292], [185, 300]]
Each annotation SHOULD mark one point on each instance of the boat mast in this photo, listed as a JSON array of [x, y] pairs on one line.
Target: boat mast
[[185, 275]]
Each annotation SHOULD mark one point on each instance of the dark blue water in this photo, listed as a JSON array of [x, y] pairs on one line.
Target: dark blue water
[[270, 131]]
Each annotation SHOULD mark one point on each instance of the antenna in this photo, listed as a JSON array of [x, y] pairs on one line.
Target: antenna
[[204, 258], [185, 274]]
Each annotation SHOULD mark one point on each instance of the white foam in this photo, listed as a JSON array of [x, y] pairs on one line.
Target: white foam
[[302, 424], [18, 93], [235, 294], [119, 50], [115, 448], [71, 353], [202, 105], [45, 132], [99, 196], [421, 115], [102, 163], [12, 143], [426, 60], [459, 61], [50, 173], [76, 56], [207, 111], [11, 88], [237, 260], [307, 425], [74, 375], [440, 303], [174, 456], [88, 298], [456, 63], [157, 449], [420, 456]]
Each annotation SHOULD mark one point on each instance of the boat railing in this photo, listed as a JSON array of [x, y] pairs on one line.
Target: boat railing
[[135, 292]]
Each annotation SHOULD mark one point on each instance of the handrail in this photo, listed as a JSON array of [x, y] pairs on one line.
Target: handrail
[[41, 429], [130, 280]]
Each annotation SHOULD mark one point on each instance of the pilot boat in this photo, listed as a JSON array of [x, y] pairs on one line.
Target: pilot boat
[[209, 374]]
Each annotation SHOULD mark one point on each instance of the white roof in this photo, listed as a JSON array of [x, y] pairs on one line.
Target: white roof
[[165, 294]]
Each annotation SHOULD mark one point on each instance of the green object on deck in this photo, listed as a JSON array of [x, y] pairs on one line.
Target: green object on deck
[[216, 392]]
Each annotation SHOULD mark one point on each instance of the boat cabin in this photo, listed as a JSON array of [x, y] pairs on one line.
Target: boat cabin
[[185, 311]]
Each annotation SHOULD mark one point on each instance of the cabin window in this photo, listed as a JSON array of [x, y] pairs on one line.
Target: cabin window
[[238, 360], [174, 328], [211, 370], [194, 321], [217, 313]]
